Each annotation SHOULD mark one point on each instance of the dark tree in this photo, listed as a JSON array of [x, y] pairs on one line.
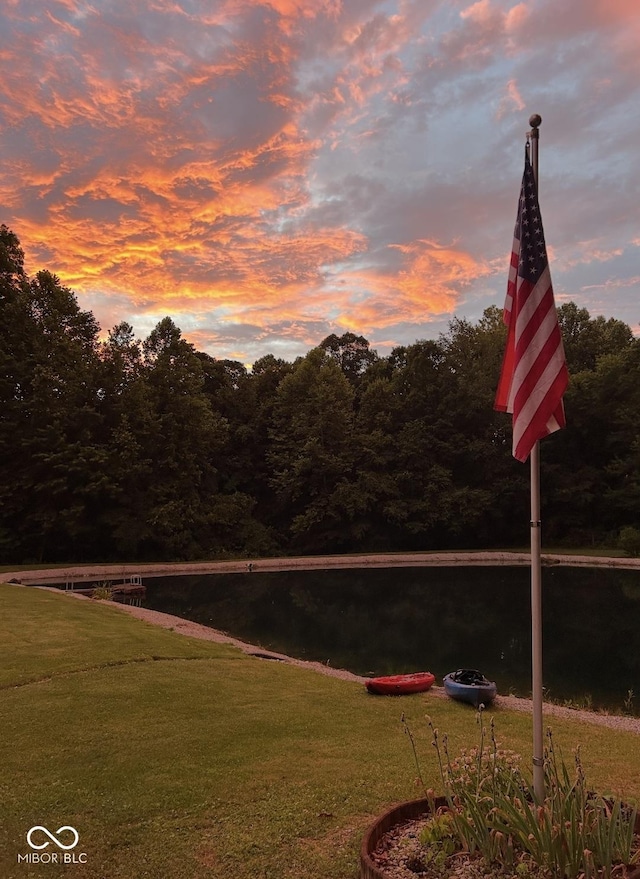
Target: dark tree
[[352, 354], [149, 449], [52, 476]]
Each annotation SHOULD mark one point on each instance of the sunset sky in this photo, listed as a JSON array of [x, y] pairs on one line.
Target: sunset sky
[[267, 173]]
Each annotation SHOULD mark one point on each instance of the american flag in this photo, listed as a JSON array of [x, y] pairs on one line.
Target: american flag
[[534, 373]]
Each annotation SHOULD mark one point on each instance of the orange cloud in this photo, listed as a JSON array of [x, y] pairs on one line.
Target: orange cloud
[[436, 274], [427, 284], [283, 168]]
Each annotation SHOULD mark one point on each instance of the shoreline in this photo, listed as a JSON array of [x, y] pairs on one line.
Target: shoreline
[[89, 573], [514, 703], [82, 573]]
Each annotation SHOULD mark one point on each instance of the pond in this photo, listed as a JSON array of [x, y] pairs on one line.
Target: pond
[[394, 620]]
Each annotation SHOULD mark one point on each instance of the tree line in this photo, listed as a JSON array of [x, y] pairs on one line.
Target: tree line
[[130, 449]]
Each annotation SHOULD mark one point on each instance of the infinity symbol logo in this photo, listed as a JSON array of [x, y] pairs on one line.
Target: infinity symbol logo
[[52, 837]]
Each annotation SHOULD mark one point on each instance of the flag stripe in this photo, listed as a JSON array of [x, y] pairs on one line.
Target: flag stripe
[[534, 373], [513, 277], [534, 397], [525, 440], [547, 353], [508, 360], [534, 305], [532, 350]]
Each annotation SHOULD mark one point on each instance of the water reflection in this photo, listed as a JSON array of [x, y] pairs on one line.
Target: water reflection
[[410, 619]]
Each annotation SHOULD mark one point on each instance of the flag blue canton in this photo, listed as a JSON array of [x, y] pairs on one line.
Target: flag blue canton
[[533, 252]]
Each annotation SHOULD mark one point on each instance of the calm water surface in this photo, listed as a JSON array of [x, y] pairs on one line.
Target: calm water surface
[[437, 619]]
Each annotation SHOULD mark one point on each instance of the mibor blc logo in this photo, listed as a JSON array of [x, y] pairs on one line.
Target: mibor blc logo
[[50, 848]]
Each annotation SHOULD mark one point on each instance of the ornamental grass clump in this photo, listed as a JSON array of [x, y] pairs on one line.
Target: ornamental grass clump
[[102, 591], [495, 817]]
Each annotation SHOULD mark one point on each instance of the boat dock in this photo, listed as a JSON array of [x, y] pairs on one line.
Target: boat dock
[[126, 590]]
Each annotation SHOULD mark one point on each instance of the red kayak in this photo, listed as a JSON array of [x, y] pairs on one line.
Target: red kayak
[[396, 685]]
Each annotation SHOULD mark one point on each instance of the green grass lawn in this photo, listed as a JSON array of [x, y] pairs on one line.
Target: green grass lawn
[[176, 758]]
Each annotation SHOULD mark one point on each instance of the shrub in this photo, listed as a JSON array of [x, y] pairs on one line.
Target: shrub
[[629, 541]]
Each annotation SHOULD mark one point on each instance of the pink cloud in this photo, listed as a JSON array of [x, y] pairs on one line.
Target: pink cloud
[[512, 100], [290, 165]]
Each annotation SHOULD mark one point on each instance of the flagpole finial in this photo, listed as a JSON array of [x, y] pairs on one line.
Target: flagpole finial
[[535, 120]]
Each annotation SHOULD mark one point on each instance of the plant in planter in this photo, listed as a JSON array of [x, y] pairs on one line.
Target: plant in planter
[[488, 822]]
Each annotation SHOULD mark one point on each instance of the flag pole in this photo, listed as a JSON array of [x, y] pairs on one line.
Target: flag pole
[[536, 566]]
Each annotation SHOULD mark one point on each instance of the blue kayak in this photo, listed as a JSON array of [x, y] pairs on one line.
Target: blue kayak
[[469, 685]]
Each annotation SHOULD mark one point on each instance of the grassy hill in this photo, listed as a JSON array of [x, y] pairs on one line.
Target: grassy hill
[[176, 758]]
